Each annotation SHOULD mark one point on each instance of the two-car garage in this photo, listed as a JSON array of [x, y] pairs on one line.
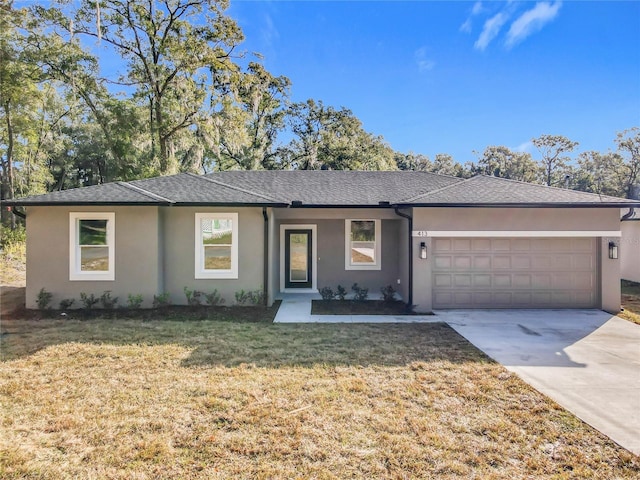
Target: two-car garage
[[514, 272]]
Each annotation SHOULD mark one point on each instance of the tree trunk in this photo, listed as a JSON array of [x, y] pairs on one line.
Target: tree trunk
[[9, 163]]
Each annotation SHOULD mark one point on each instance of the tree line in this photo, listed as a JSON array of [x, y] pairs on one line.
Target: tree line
[[187, 98]]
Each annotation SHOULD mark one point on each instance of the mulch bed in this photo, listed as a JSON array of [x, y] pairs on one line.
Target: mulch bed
[[353, 307]]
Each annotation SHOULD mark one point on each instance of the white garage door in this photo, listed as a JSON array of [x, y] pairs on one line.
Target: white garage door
[[514, 272]]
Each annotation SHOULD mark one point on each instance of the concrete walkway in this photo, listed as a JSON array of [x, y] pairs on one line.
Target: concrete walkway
[[588, 361], [296, 308]]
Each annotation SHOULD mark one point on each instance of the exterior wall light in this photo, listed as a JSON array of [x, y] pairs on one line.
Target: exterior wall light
[[423, 250], [613, 251]]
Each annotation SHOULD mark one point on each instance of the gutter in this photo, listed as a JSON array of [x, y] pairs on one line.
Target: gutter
[[265, 266], [17, 213], [410, 229], [629, 215]]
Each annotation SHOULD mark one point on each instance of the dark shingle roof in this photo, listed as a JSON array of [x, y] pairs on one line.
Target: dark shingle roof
[[483, 190], [322, 188]]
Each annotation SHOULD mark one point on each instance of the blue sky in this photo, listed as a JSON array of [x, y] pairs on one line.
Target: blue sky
[[454, 77]]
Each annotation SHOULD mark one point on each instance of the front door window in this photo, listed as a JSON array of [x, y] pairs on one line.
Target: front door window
[[298, 259]]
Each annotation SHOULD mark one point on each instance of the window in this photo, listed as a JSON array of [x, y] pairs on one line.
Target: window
[[91, 245], [362, 245], [216, 245]]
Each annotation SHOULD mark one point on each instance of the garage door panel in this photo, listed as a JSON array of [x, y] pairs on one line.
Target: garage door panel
[[442, 262], [462, 280], [501, 262], [482, 263], [514, 272], [442, 280], [461, 244], [462, 261], [481, 244], [521, 262]]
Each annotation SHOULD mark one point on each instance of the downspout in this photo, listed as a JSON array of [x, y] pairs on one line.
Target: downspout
[[628, 215], [410, 219], [18, 213], [265, 267]]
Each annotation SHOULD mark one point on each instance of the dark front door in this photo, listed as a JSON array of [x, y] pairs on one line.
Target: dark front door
[[297, 259]]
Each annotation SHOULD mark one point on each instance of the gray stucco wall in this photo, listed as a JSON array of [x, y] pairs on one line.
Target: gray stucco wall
[[518, 219], [178, 226], [330, 225], [136, 254]]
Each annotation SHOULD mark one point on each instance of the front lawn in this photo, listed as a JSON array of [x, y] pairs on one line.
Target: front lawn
[[630, 301], [207, 399]]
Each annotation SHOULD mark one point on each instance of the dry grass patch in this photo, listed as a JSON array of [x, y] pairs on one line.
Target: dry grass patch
[[210, 399], [630, 301]]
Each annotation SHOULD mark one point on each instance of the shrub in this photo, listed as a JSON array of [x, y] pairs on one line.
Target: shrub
[[66, 303], [242, 297], [88, 301], [194, 297], [108, 302], [162, 300], [134, 301], [11, 238], [44, 298], [214, 298], [327, 293], [388, 294], [256, 297], [359, 294], [341, 292]]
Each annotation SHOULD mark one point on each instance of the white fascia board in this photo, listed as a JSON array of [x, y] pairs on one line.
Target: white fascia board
[[523, 233]]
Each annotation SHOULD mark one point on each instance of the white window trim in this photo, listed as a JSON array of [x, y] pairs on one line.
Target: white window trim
[[348, 265], [75, 273], [200, 271]]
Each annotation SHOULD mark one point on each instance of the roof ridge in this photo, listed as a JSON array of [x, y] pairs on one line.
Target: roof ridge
[[437, 190], [233, 187], [144, 192]]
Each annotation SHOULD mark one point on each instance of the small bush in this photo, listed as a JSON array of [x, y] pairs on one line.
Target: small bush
[[11, 238], [44, 298], [134, 302], [108, 302], [359, 294], [242, 297], [257, 297], [341, 292], [194, 297], [88, 301], [162, 300], [66, 303], [388, 294], [327, 293], [214, 298]]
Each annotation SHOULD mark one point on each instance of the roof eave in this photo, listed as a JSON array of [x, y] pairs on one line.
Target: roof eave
[[521, 205]]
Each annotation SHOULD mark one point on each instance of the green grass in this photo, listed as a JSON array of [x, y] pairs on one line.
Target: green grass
[[199, 399]]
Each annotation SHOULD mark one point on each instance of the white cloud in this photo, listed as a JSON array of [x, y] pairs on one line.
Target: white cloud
[[490, 30], [466, 26], [531, 21], [524, 147], [476, 10], [424, 63]]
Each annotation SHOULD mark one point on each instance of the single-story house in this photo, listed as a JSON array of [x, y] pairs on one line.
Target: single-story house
[[630, 245], [440, 241]]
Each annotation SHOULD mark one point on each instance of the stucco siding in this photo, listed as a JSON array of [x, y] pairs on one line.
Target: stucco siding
[[330, 229], [137, 270], [513, 220], [179, 253], [630, 250]]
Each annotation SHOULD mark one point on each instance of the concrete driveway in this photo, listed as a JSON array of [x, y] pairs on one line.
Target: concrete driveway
[[588, 361]]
